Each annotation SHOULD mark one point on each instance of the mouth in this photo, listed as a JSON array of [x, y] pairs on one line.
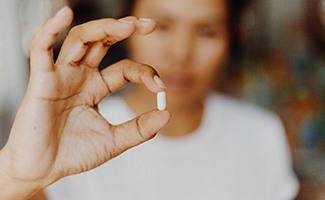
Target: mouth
[[178, 82]]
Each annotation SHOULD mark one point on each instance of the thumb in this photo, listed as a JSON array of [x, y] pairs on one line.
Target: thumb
[[139, 130]]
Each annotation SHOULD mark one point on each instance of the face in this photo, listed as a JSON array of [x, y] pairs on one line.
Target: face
[[189, 46]]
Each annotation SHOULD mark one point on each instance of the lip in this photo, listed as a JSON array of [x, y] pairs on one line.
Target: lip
[[178, 82]]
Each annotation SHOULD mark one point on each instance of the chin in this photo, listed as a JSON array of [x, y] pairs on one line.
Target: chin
[[180, 99]]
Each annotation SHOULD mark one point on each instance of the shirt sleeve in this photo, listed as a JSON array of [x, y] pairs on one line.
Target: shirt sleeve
[[283, 181]]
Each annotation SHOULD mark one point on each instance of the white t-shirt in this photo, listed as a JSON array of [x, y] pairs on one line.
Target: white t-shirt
[[239, 152]]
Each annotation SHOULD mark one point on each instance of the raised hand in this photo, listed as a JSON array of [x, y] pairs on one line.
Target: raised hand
[[58, 130]]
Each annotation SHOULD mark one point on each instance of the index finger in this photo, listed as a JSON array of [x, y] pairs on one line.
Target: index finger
[[105, 31]]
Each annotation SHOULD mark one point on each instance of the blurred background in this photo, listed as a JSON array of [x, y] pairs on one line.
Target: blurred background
[[281, 66]]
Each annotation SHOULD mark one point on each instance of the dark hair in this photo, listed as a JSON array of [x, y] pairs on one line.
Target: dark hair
[[315, 27], [236, 9]]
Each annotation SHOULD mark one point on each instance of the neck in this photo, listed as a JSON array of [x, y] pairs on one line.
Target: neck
[[185, 117]]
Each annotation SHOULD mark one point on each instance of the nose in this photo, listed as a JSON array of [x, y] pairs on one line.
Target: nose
[[181, 48]]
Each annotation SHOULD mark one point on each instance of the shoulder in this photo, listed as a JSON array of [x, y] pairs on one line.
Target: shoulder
[[241, 110], [246, 120]]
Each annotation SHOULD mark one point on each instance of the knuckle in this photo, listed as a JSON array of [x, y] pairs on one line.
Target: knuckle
[[149, 69], [75, 30], [35, 43], [107, 42], [126, 60], [127, 63], [139, 129]]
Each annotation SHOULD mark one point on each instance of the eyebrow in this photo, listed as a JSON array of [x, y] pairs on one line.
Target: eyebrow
[[208, 20]]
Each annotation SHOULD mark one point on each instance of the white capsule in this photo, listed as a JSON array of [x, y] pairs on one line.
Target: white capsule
[[161, 100]]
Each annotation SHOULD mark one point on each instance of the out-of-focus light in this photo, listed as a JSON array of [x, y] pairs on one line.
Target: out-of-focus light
[[32, 14], [35, 11]]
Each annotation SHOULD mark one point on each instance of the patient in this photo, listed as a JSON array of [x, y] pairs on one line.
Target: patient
[[214, 147]]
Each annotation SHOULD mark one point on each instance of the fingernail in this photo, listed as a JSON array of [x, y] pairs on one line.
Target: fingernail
[[146, 20], [125, 21], [159, 82], [61, 11]]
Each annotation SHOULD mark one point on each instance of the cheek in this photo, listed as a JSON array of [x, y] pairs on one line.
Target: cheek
[[214, 52], [144, 49], [211, 58]]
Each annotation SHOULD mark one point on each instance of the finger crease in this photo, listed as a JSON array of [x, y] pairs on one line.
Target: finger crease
[[139, 129], [106, 42], [87, 44], [124, 77], [106, 84], [85, 63], [84, 42], [74, 63]]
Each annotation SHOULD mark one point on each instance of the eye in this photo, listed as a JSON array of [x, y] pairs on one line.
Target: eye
[[207, 31], [162, 26]]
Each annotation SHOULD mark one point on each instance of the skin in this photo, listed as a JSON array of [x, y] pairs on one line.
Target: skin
[[58, 126], [188, 49]]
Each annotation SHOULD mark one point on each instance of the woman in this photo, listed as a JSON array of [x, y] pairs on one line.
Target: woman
[[214, 147]]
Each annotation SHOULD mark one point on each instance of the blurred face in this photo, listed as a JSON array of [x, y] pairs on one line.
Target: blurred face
[[188, 47]]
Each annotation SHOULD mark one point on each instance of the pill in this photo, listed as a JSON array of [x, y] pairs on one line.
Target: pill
[[161, 100]]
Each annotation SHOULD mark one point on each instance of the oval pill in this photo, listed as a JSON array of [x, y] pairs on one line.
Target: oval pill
[[161, 100]]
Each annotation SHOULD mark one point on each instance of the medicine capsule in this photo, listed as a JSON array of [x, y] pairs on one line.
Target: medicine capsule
[[161, 100]]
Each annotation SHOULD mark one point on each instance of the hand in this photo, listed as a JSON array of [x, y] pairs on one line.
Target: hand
[[58, 130]]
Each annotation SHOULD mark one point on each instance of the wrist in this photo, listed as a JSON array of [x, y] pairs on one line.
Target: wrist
[[11, 186]]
